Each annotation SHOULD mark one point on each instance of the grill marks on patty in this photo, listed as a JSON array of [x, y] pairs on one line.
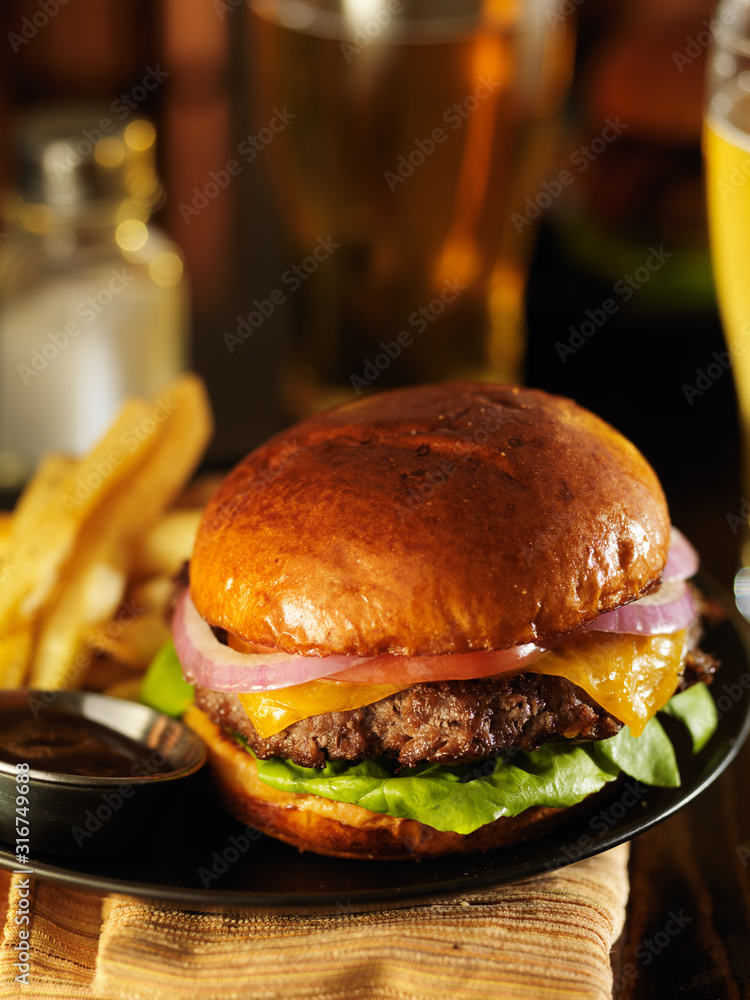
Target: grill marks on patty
[[447, 722]]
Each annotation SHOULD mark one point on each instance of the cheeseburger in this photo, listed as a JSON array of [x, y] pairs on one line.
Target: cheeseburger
[[432, 620]]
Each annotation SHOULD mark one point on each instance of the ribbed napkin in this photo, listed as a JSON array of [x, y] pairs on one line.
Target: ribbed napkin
[[546, 938]]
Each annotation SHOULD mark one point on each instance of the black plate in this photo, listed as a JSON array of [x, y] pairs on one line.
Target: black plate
[[199, 858]]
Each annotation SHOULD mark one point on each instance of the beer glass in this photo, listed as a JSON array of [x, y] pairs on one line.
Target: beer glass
[[407, 145], [726, 148]]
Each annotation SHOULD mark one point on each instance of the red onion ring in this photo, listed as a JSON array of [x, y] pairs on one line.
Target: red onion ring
[[210, 663], [666, 610], [682, 561]]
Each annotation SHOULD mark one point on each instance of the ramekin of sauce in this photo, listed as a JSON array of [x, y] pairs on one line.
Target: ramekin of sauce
[[86, 774]]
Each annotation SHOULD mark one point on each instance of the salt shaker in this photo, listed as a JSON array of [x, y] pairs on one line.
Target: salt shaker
[[93, 297]]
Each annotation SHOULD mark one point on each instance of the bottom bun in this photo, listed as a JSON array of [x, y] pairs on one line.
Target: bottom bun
[[341, 829]]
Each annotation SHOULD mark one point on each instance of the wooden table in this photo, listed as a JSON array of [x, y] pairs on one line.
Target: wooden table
[[688, 926]]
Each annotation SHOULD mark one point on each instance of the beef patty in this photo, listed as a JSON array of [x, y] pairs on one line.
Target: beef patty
[[450, 722]]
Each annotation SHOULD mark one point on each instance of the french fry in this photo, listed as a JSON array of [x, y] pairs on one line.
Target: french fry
[[15, 652], [93, 594], [108, 537], [6, 526], [16, 647], [51, 516], [163, 550], [132, 641], [40, 491]]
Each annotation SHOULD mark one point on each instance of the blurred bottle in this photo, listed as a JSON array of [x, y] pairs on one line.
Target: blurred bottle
[[93, 300]]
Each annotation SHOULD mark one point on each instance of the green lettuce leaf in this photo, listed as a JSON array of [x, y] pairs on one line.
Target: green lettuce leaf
[[696, 709], [164, 687], [449, 798], [649, 758]]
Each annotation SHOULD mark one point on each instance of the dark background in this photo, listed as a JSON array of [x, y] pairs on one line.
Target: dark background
[[645, 191]]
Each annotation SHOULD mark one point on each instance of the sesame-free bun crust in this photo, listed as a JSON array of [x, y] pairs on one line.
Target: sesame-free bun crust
[[341, 829], [438, 519]]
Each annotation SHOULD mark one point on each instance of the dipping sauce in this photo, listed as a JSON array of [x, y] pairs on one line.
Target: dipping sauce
[[70, 744]]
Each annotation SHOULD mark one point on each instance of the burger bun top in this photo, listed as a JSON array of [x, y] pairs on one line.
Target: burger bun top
[[435, 519]]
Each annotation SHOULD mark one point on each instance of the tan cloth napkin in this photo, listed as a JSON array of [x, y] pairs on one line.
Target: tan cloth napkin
[[547, 938]]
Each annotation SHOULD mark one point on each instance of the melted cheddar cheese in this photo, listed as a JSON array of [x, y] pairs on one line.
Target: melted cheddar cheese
[[272, 711], [630, 676]]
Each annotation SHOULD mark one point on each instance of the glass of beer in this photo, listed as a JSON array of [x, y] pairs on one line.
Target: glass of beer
[[410, 141], [726, 149]]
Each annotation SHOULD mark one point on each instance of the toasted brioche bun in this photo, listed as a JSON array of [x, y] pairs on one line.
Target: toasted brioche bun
[[340, 829], [438, 519]]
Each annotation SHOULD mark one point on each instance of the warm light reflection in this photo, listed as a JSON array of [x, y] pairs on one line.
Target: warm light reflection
[[360, 12], [131, 235], [503, 11], [140, 135], [165, 268], [110, 152], [461, 257], [141, 181]]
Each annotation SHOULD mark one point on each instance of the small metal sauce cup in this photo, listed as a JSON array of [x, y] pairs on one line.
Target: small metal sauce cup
[[77, 814]]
